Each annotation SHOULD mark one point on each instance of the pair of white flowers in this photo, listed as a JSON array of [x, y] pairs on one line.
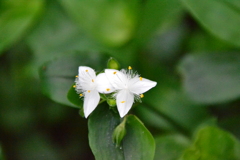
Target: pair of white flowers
[[125, 85]]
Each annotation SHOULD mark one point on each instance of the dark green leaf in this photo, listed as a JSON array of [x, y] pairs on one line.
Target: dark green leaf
[[170, 147], [158, 15], [101, 125], [16, 16], [74, 98], [211, 78], [58, 76], [138, 143], [171, 109], [212, 143], [221, 17]]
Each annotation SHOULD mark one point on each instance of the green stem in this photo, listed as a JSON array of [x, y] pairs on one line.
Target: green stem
[[102, 101], [175, 124]]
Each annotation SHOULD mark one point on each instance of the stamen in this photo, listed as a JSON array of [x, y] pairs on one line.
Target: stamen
[[86, 70], [141, 95], [140, 78], [81, 95], [129, 67], [123, 101], [92, 80], [74, 86], [76, 76], [107, 89], [114, 72], [88, 91]]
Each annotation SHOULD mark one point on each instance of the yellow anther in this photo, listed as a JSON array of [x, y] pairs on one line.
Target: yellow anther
[[76, 76], [92, 80], [88, 91], [129, 67], [81, 95], [123, 101], [140, 78], [74, 86], [114, 72], [141, 95], [86, 70], [107, 89]]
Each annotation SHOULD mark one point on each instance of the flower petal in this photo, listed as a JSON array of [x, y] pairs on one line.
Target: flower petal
[[91, 100], [124, 101], [117, 79], [139, 85], [86, 78], [103, 84]]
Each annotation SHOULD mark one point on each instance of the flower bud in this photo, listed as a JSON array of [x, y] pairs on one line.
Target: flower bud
[[111, 102], [113, 64], [119, 133]]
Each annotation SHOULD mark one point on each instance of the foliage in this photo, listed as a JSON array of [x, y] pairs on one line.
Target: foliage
[[189, 47]]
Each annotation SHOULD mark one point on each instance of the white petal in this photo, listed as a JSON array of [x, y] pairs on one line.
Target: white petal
[[103, 84], [91, 100], [86, 78], [117, 79], [124, 102], [139, 85]]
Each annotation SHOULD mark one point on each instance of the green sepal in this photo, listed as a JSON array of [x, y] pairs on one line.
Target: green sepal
[[111, 102]]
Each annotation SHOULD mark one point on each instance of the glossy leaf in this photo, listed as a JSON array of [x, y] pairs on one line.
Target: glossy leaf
[[220, 17], [170, 147], [57, 76], [16, 17], [213, 143], [138, 143], [211, 78]]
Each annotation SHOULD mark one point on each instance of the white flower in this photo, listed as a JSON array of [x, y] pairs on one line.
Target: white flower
[[89, 85], [127, 85]]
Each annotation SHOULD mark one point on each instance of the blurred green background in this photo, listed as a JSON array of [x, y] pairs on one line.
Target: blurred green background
[[190, 47]]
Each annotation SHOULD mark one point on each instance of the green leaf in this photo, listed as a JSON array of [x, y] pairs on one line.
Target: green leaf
[[74, 98], [158, 15], [138, 143], [111, 22], [57, 76], [16, 16], [168, 108], [170, 147], [220, 17], [212, 143], [101, 125], [56, 34], [211, 78]]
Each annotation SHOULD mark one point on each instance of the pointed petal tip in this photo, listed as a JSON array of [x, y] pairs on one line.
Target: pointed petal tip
[[122, 114], [91, 101]]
